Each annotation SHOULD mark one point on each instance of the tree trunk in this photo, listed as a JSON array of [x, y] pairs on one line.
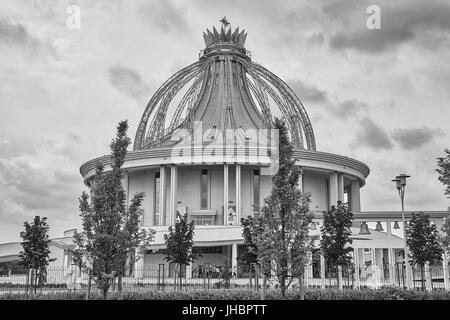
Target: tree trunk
[[89, 287], [119, 286], [283, 286], [422, 276], [263, 289], [105, 293], [180, 275], [34, 280], [301, 284]]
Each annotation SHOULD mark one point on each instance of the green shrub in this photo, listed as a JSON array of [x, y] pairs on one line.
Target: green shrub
[[385, 293]]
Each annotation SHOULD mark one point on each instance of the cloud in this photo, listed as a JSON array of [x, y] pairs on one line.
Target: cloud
[[14, 33], [41, 181], [401, 22], [127, 81], [371, 135], [349, 108], [415, 138], [316, 39], [11, 32], [306, 92], [18, 147], [164, 16], [34, 187], [370, 41]]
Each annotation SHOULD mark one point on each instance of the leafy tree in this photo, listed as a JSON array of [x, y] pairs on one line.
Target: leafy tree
[[336, 233], [179, 242], [422, 239], [112, 239], [444, 238], [282, 225], [444, 177], [444, 171], [249, 251], [36, 254]]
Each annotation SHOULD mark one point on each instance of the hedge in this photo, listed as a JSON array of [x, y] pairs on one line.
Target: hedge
[[387, 293]]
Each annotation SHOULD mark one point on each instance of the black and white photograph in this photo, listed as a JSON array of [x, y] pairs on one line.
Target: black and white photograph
[[235, 153]]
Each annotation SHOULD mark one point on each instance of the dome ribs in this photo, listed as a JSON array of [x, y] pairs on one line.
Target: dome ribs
[[226, 91]]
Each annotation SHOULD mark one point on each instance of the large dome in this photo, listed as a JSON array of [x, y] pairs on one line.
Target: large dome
[[224, 90]]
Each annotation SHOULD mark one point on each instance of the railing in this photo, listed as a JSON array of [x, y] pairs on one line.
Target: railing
[[160, 277]]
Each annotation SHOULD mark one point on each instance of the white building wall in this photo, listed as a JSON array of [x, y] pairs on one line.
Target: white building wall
[[151, 261], [316, 185], [246, 191], [216, 188], [143, 181], [214, 259], [167, 197], [266, 188], [189, 187]]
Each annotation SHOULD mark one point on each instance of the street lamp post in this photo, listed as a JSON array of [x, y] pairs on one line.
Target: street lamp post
[[400, 181]]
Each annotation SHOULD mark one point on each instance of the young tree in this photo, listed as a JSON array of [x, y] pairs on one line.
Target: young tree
[[179, 242], [336, 232], [36, 254], [282, 225], [249, 253], [422, 239], [112, 239], [443, 169], [444, 238]]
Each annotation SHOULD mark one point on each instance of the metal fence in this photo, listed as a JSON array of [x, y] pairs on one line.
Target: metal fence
[[161, 277]]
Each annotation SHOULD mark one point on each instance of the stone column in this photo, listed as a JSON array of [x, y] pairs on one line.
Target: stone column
[[162, 195], [391, 266], [334, 189], [238, 193], [445, 272], [173, 193], [374, 268], [362, 266], [308, 275], [225, 194], [391, 261], [427, 277], [189, 269], [355, 204], [139, 268], [300, 180], [234, 254], [341, 187], [322, 271], [356, 264]]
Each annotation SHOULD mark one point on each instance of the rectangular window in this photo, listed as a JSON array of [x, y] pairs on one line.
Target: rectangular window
[[204, 189], [157, 193], [207, 250], [256, 187]]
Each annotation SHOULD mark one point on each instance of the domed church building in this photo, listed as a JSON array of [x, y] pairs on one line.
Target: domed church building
[[204, 146]]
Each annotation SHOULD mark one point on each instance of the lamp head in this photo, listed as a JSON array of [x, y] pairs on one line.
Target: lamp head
[[402, 177], [398, 183]]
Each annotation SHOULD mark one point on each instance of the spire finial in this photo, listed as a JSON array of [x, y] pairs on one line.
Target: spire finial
[[225, 22]]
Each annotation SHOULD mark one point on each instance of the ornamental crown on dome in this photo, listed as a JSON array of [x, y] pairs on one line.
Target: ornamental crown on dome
[[225, 35]]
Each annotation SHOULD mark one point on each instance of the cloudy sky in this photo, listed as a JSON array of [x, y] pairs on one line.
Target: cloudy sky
[[380, 96]]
